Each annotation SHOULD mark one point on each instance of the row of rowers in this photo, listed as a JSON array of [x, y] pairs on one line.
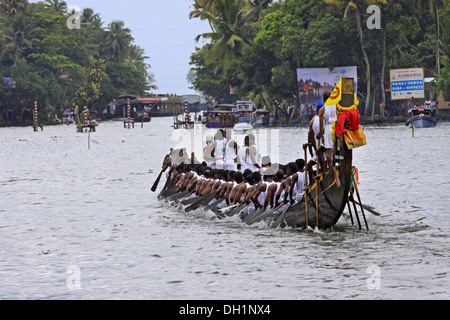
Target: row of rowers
[[223, 152], [270, 186]]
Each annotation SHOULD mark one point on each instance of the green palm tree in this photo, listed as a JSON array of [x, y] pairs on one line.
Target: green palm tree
[[358, 6], [257, 9], [13, 35], [443, 80], [57, 5], [230, 34], [118, 41], [434, 6], [205, 10], [136, 57], [13, 7]]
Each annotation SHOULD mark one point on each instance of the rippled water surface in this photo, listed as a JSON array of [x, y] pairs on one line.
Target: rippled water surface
[[80, 223]]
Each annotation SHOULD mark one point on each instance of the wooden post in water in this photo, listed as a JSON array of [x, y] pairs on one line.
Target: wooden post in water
[[186, 114], [36, 125], [127, 121], [128, 112], [85, 119]]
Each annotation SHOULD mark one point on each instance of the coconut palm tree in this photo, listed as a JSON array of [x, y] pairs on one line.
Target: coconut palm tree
[[358, 6], [205, 10], [136, 57], [443, 80], [57, 5], [433, 6], [118, 40], [257, 9], [230, 34], [13, 35], [13, 7]]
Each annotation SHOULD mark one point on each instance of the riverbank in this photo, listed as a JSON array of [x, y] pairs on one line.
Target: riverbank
[[378, 121]]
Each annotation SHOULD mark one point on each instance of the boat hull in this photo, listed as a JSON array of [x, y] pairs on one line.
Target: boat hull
[[219, 125], [421, 122], [333, 196]]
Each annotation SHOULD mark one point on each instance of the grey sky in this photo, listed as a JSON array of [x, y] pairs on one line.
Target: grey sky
[[163, 29]]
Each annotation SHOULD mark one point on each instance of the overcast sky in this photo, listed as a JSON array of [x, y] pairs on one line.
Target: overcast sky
[[163, 29]]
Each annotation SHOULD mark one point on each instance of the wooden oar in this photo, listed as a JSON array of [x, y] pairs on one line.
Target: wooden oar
[[317, 187], [177, 198], [307, 184], [214, 204], [356, 211], [254, 214], [203, 200], [168, 180], [280, 218], [155, 185], [362, 207], [317, 203], [370, 209], [350, 211], [229, 208], [263, 215], [190, 201], [171, 190], [236, 210]]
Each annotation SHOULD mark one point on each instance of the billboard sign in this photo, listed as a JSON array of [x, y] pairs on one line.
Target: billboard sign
[[407, 84], [313, 82]]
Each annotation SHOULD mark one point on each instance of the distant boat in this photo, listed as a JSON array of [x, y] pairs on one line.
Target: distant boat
[[243, 126], [222, 116], [261, 118], [244, 109], [422, 117], [145, 117]]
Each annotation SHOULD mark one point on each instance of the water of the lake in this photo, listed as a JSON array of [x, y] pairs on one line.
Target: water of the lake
[[80, 223]]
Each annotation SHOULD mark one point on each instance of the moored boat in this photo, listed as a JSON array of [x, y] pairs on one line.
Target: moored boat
[[422, 117], [222, 116], [244, 110], [261, 118]]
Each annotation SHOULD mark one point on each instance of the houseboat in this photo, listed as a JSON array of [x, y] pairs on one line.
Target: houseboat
[[221, 116]]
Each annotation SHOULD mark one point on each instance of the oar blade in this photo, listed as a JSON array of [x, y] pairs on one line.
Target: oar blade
[[155, 185]]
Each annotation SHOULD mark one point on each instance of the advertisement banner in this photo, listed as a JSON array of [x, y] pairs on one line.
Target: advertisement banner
[[313, 82], [407, 84]]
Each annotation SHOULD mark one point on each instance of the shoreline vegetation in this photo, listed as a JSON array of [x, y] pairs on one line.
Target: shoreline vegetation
[[62, 58], [252, 52]]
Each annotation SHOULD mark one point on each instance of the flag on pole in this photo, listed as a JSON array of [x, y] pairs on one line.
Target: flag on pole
[[336, 95]]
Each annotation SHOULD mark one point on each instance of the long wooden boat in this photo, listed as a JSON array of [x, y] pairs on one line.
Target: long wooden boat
[[328, 194], [333, 192]]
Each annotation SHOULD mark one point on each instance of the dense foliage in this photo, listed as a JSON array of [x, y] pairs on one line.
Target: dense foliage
[[256, 45], [42, 59]]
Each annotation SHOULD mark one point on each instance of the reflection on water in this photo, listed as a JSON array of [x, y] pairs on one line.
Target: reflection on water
[[65, 206]]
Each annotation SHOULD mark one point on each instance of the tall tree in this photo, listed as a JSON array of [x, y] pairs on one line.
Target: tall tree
[[118, 40], [57, 5], [357, 6], [230, 34], [433, 6], [13, 7], [14, 34]]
